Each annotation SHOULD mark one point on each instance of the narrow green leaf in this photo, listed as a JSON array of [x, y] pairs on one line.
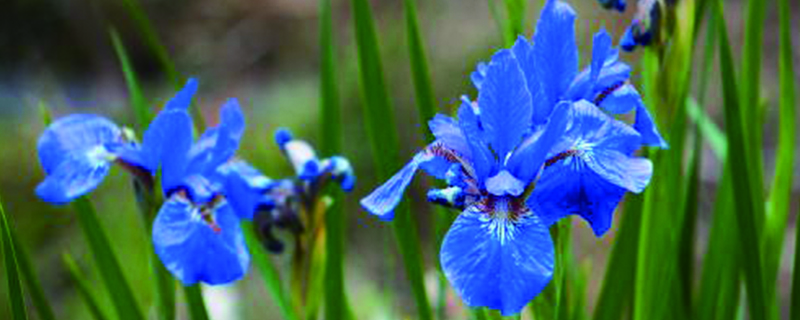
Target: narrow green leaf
[[617, 290], [710, 131], [148, 32], [32, 283], [83, 287], [195, 303], [15, 296], [137, 100], [269, 273], [515, 10], [106, 262], [426, 103], [795, 311], [781, 192], [686, 254], [44, 112], [383, 138], [500, 21], [335, 219], [745, 197]]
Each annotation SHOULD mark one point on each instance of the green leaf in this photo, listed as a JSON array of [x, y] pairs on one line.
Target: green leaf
[[83, 287], [710, 131], [15, 296], [272, 278], [795, 311], [194, 300], [748, 208], [335, 219], [419, 69], [383, 138], [137, 100], [32, 283], [107, 264], [44, 112], [781, 192], [148, 32]]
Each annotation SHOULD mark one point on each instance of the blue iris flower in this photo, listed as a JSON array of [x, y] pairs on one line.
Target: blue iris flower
[[197, 233], [535, 127]]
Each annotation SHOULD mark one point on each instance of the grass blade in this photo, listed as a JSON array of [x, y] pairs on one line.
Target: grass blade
[[795, 311], [15, 296], [745, 196], [137, 100], [781, 192], [195, 303], [121, 295], [384, 141], [272, 278], [83, 287], [335, 220], [708, 129], [32, 282]]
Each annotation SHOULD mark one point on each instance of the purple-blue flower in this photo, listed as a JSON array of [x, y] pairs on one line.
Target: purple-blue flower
[[534, 147]]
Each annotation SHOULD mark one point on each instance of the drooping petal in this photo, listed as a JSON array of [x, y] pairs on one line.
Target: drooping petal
[[195, 250], [183, 99], [482, 158], [382, 201], [505, 103], [494, 262], [300, 153], [75, 153], [621, 100], [569, 186], [592, 129], [526, 162], [341, 170], [555, 51], [647, 128], [631, 173], [244, 187], [447, 131]]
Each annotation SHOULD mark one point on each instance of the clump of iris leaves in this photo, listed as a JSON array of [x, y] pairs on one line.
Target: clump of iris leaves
[[542, 141]]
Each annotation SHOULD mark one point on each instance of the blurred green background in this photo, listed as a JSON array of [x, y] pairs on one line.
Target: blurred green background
[[58, 53]]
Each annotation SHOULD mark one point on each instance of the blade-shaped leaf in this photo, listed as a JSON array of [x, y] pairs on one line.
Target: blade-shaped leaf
[[272, 278], [383, 138], [83, 287], [106, 262], [745, 197], [195, 303], [781, 192], [15, 296], [710, 131], [137, 100], [32, 283]]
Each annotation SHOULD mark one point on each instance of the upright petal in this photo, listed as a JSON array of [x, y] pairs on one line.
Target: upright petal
[[601, 48], [219, 144], [495, 262], [505, 103], [447, 131], [555, 51], [482, 158], [193, 249], [523, 51], [170, 135], [75, 154], [183, 99], [526, 162]]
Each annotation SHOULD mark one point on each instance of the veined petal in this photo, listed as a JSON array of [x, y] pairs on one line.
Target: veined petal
[[505, 103], [183, 99], [647, 128], [492, 261], [75, 152], [526, 162], [569, 186], [195, 250], [382, 201], [625, 171], [447, 131], [523, 51], [75, 136], [621, 100], [554, 50], [482, 158]]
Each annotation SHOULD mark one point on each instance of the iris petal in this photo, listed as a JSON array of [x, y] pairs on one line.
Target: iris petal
[[505, 103], [601, 48], [75, 154], [622, 100], [482, 159], [447, 131], [183, 99], [496, 262], [526, 162], [244, 187], [382, 201], [170, 136], [554, 50], [194, 251], [523, 51], [647, 128]]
